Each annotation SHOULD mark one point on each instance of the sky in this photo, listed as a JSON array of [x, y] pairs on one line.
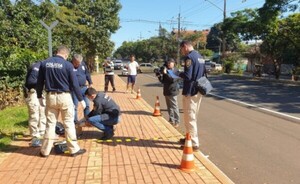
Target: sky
[[140, 19]]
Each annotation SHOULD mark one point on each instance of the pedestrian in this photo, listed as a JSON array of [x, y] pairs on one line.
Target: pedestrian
[[105, 113], [132, 68], [168, 76], [59, 79], [194, 67], [83, 76], [109, 75], [37, 118]]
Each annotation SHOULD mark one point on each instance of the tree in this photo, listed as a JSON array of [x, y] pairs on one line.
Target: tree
[[91, 23]]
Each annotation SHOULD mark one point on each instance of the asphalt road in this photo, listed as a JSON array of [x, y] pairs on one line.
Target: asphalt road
[[248, 140]]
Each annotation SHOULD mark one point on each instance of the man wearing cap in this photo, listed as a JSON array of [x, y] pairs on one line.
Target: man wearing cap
[[194, 67], [83, 75], [59, 79]]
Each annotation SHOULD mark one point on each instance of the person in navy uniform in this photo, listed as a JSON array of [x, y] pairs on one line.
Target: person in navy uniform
[[105, 113], [194, 67], [109, 75], [83, 76], [37, 118], [59, 79]]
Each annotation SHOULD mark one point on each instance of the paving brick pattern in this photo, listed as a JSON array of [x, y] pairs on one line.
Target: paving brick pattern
[[143, 150]]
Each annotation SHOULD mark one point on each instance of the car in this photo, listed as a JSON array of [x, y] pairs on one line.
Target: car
[[208, 66], [147, 67], [124, 71], [216, 67], [118, 64]]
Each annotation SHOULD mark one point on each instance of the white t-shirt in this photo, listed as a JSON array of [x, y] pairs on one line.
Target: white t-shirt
[[132, 68]]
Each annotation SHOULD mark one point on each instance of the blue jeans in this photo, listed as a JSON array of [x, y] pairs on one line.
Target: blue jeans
[[86, 111], [104, 125]]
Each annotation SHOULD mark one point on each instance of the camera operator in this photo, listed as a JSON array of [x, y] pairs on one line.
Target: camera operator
[[168, 76]]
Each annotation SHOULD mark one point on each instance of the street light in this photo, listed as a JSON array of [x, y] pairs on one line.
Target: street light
[[49, 28], [224, 17]]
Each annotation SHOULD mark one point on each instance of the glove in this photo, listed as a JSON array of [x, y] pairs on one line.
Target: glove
[[42, 102], [83, 104]]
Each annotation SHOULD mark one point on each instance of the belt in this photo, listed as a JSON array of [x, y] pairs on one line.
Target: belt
[[57, 92]]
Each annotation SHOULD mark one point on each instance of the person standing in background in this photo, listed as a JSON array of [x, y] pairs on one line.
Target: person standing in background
[[109, 75], [57, 76], [37, 118], [83, 75], [194, 67], [132, 68]]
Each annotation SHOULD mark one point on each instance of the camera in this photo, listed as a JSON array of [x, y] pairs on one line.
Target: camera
[[161, 70]]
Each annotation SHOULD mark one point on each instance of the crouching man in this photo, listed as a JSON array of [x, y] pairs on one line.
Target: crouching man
[[105, 113]]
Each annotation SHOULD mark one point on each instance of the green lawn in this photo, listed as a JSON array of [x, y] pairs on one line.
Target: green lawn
[[13, 122]]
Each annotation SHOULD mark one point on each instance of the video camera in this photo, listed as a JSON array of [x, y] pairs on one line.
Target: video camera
[[161, 70]]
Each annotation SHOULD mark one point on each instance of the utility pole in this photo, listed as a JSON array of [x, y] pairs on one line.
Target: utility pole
[[49, 28], [223, 35], [224, 17], [178, 40]]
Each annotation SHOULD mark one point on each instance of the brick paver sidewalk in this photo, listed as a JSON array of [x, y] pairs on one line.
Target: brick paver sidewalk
[[144, 149]]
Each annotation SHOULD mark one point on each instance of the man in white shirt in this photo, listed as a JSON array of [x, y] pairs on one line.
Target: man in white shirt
[[132, 68]]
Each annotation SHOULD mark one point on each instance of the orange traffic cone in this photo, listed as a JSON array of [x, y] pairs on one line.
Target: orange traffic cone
[[157, 108], [187, 161], [138, 95]]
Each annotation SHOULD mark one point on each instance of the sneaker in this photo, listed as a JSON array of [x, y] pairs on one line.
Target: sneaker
[[108, 135], [42, 155], [176, 125], [196, 148], [81, 151], [182, 140], [36, 142]]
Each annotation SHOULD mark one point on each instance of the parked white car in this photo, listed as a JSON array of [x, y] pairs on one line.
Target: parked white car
[[216, 67], [147, 67]]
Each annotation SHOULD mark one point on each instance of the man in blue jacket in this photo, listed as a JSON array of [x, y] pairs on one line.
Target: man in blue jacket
[[194, 67], [59, 79], [37, 118], [83, 75], [105, 114]]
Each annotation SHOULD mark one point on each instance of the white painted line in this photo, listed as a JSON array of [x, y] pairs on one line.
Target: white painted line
[[261, 108]]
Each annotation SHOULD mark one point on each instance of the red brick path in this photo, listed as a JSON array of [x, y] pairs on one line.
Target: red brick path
[[143, 150]]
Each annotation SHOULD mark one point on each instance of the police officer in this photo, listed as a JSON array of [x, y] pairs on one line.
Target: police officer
[[194, 67], [105, 113], [37, 118], [83, 75], [109, 75], [59, 79]]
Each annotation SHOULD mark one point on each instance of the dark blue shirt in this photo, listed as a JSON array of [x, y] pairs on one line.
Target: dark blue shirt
[[58, 76], [104, 104], [194, 67], [32, 75], [83, 74]]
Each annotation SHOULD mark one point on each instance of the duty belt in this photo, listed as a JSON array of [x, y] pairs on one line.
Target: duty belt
[[57, 92]]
